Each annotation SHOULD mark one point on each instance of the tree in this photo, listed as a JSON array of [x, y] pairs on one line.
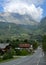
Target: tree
[[7, 41], [35, 45], [25, 40], [24, 52], [9, 54], [17, 40], [18, 52], [14, 43], [1, 41], [44, 43]]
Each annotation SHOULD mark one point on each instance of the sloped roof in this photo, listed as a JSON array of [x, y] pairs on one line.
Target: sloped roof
[[24, 45], [3, 45]]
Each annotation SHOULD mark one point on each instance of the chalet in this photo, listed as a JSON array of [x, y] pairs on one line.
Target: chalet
[[4, 47], [25, 46]]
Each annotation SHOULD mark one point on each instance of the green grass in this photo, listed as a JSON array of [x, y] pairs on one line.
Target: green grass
[[1, 60]]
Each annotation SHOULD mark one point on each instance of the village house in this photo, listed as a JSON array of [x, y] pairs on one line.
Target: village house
[[25, 46], [4, 48]]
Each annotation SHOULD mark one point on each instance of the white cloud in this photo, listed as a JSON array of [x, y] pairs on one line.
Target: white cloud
[[24, 8]]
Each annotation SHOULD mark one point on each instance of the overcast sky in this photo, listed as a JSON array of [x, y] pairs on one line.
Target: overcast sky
[[35, 8]]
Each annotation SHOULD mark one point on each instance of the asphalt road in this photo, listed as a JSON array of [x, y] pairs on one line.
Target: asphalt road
[[34, 59]]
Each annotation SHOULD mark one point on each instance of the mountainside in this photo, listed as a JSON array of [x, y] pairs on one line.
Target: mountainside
[[42, 26], [14, 24], [17, 18], [12, 29], [18, 25]]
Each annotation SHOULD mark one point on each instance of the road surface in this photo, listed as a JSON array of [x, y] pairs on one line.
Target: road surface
[[34, 59]]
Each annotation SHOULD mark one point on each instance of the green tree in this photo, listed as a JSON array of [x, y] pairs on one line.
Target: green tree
[[18, 52], [14, 43], [35, 45], [7, 41], [26, 41], [44, 43], [9, 54], [17, 40], [24, 52], [1, 41]]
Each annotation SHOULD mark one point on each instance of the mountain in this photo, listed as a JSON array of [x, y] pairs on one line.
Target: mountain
[[42, 26], [17, 18], [43, 23], [16, 25], [16, 30]]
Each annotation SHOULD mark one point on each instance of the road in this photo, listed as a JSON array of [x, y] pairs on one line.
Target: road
[[34, 59]]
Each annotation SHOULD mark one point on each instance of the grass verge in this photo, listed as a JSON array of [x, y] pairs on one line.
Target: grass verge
[[2, 61]]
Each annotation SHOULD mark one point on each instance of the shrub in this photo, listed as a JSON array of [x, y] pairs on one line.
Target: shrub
[[18, 52], [35, 45], [24, 52], [9, 54], [44, 43]]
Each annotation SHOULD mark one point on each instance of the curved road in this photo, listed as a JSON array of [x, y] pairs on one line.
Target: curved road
[[34, 59]]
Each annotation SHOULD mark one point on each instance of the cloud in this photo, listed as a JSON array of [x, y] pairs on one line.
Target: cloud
[[25, 7]]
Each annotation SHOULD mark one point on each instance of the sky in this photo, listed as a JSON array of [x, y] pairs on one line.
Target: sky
[[35, 8]]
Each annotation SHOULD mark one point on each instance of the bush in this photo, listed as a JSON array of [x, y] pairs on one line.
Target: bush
[[35, 45], [14, 43], [24, 52], [44, 46], [18, 52], [44, 43], [9, 54], [0, 59]]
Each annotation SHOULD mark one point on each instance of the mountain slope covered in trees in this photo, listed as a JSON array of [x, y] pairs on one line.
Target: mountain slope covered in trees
[[8, 29]]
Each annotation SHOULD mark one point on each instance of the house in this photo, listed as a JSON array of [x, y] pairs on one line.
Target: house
[[4, 47], [24, 45]]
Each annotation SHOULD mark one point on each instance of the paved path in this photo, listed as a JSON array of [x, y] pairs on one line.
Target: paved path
[[34, 59]]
